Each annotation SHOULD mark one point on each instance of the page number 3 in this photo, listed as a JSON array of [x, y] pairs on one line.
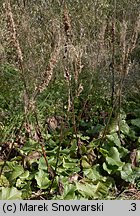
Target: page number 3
[[133, 207]]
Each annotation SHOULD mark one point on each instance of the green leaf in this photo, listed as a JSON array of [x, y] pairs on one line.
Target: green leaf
[[3, 181], [31, 145], [113, 162], [42, 164], [83, 150], [126, 172], [70, 164], [101, 189], [42, 179], [129, 174], [138, 155], [107, 168], [113, 158], [139, 140], [10, 194], [26, 191], [136, 122], [125, 129], [85, 189], [18, 171], [93, 174], [104, 152], [85, 163], [25, 175], [20, 183], [93, 191], [113, 126], [69, 192], [114, 154], [123, 152], [114, 138], [85, 138]]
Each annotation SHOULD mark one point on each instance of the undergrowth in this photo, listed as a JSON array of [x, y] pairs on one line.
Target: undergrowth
[[69, 100]]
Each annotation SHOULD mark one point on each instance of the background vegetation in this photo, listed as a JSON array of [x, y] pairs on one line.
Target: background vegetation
[[69, 99]]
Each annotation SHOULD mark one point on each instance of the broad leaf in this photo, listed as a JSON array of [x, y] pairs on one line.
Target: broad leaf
[[107, 168], [3, 181], [101, 189], [42, 179], [93, 174], [129, 174], [85, 163], [136, 122], [113, 158], [17, 172], [113, 126], [69, 192], [10, 194], [70, 164], [86, 189], [42, 164], [123, 151], [114, 138], [126, 172], [125, 129], [92, 191], [25, 175]]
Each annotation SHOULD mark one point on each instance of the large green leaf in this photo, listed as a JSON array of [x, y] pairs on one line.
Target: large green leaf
[[87, 190], [113, 162], [71, 164], [114, 154], [42, 164], [93, 174], [113, 127], [85, 163], [25, 175], [92, 191], [136, 122], [129, 174], [114, 138], [113, 158], [107, 168], [30, 145], [123, 151], [10, 194], [69, 192], [101, 189], [42, 179], [125, 129], [126, 172], [17, 172]]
